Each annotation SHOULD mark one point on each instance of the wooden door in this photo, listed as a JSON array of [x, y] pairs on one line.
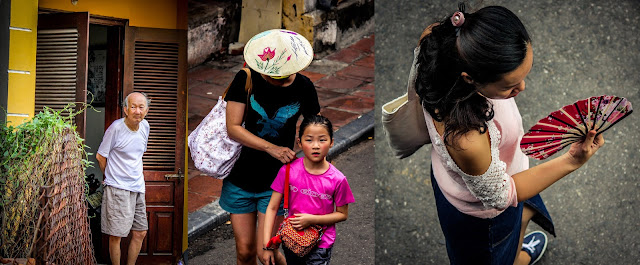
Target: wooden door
[[155, 63], [61, 62]]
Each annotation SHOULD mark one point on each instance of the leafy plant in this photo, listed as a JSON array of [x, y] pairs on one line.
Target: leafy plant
[[26, 158]]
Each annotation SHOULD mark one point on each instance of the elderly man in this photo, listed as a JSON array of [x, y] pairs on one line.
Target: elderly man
[[120, 159]]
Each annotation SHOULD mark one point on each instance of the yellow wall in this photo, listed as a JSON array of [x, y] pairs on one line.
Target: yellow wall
[[22, 57], [140, 13], [167, 14]]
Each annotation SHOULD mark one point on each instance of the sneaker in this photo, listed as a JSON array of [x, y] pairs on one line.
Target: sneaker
[[535, 244]]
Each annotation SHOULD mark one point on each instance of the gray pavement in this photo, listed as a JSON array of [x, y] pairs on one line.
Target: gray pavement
[[355, 238], [581, 49]]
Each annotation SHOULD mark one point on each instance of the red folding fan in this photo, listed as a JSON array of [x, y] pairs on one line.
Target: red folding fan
[[571, 124]]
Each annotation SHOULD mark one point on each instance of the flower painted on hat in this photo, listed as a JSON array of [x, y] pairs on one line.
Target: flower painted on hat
[[267, 54], [276, 63]]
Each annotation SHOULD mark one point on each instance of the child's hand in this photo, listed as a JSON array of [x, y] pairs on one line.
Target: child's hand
[[267, 256], [580, 152], [301, 220]]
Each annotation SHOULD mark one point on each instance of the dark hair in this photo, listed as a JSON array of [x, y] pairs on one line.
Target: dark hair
[[490, 43], [316, 120]]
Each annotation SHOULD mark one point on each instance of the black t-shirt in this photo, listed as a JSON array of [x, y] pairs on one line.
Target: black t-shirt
[[272, 114]]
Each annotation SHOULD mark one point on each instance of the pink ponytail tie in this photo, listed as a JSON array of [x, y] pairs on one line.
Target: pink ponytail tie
[[457, 19]]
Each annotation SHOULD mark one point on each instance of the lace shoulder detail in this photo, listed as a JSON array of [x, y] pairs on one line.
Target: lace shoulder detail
[[494, 135], [492, 187]]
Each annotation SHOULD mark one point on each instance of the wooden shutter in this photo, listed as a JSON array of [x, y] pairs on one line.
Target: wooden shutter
[[61, 62], [155, 63], [155, 72]]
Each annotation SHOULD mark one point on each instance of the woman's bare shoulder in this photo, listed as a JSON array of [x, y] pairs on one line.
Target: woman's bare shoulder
[[472, 152]]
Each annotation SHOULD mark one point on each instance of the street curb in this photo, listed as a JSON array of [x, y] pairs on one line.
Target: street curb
[[349, 134], [212, 215], [206, 218]]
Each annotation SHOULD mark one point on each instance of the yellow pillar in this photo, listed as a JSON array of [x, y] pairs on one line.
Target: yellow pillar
[[22, 61], [258, 16], [301, 18]]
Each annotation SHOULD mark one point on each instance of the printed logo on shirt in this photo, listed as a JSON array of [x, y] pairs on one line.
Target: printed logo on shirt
[[310, 193], [270, 126]]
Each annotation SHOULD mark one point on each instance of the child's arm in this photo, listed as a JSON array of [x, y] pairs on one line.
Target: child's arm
[[303, 220], [269, 219]]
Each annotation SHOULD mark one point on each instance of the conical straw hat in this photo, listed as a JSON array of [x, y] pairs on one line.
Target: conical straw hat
[[278, 52]]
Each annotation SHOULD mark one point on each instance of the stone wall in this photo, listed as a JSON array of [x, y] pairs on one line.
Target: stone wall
[[212, 26], [329, 25]]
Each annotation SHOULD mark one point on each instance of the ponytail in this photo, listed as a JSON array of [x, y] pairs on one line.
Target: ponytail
[[486, 45]]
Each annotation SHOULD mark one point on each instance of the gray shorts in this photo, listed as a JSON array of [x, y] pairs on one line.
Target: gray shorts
[[122, 211]]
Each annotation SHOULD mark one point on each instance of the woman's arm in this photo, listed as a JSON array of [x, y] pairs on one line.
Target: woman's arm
[[534, 180], [486, 180], [473, 157], [235, 114], [303, 220]]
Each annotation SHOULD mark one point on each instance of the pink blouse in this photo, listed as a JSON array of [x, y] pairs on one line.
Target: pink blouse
[[505, 130]]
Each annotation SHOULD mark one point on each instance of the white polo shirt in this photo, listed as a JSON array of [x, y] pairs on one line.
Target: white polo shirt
[[123, 149]]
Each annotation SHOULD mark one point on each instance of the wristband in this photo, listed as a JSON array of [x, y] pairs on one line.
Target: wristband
[[266, 248]]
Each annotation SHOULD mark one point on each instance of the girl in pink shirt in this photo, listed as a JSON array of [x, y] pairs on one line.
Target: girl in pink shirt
[[319, 194]]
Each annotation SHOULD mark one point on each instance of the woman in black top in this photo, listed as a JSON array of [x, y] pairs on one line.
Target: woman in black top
[[279, 96]]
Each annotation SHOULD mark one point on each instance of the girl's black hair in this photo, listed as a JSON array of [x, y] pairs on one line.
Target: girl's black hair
[[490, 43], [316, 120]]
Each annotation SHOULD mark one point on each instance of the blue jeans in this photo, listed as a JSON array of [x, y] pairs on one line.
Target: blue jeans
[[473, 240], [317, 256]]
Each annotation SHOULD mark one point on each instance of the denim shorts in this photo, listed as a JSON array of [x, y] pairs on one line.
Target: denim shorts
[[473, 240], [317, 256], [234, 199]]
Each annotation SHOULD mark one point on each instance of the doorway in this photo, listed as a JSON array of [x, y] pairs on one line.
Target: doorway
[[104, 77], [104, 59]]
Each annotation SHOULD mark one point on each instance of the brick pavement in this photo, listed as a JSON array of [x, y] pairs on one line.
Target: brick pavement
[[343, 79]]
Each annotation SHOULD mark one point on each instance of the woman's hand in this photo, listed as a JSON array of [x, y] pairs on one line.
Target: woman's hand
[[284, 154], [301, 221], [580, 152], [534, 180]]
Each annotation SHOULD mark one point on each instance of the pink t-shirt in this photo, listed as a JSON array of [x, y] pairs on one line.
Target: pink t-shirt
[[508, 121], [315, 194]]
